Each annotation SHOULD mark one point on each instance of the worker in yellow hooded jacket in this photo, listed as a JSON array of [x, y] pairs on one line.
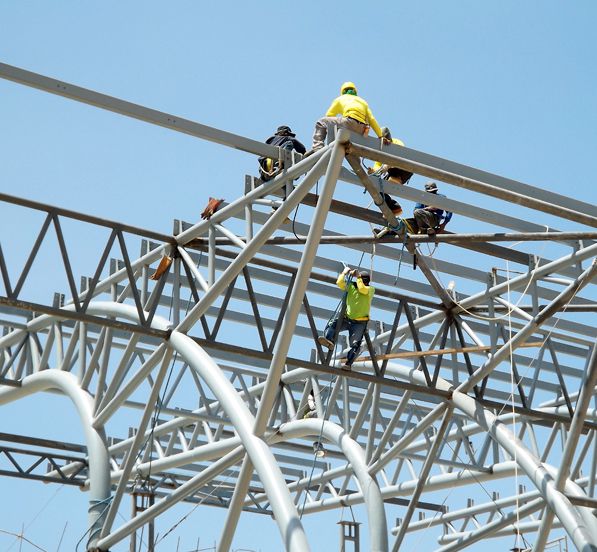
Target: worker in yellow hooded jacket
[[354, 112]]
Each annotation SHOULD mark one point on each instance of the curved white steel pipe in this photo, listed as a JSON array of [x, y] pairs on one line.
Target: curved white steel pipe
[[285, 512], [97, 451], [488, 419], [579, 524], [378, 530]]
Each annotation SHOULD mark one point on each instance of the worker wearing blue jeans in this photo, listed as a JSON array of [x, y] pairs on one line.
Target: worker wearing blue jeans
[[358, 305]]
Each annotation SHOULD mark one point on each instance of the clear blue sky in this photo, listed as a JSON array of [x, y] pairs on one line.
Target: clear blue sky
[[505, 86]]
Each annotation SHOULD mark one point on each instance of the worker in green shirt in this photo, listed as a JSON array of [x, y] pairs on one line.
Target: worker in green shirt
[[358, 304]]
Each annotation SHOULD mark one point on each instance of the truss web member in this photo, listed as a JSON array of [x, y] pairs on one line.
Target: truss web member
[[354, 114], [354, 312], [268, 167]]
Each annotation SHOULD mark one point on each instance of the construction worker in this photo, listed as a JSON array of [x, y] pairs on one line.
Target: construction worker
[[391, 174], [356, 312], [430, 219], [311, 406], [284, 138], [354, 112], [268, 167]]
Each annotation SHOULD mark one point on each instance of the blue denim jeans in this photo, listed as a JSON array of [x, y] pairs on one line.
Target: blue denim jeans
[[356, 331]]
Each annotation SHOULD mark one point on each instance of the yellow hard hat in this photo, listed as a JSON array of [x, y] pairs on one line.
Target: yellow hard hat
[[346, 86]]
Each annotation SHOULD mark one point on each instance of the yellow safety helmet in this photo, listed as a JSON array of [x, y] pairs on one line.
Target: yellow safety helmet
[[347, 86]]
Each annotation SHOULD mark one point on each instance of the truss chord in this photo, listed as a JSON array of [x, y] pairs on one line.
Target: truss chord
[[113, 359], [537, 321]]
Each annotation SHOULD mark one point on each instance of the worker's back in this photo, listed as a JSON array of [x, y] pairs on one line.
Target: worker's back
[[358, 304], [348, 105]]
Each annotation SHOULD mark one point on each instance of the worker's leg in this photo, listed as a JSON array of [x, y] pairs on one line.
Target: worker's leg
[[424, 219], [330, 330], [328, 339], [356, 331], [353, 126], [321, 131], [322, 126]]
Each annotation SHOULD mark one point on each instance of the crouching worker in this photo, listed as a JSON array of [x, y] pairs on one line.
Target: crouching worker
[[429, 219], [392, 174], [355, 115], [285, 139], [355, 315]]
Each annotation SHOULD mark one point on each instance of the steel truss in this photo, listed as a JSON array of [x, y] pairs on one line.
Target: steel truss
[[217, 366]]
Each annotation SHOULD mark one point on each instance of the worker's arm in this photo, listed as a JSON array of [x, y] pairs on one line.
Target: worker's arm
[[362, 287], [373, 124], [341, 282], [447, 217], [298, 146], [335, 108]]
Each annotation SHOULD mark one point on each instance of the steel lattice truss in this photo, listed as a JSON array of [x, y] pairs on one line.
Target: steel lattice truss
[[217, 366]]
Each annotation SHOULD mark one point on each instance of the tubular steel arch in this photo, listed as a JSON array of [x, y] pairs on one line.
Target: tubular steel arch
[[188, 380], [97, 451]]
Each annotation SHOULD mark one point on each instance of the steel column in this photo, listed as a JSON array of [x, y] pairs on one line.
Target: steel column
[[283, 343]]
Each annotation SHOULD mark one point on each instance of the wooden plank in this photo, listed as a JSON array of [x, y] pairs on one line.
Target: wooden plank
[[435, 352]]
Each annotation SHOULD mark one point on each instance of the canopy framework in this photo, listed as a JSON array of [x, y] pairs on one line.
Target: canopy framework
[[229, 274]]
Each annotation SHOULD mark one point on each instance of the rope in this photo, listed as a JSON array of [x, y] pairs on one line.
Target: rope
[[319, 437], [22, 538], [294, 222], [47, 503], [547, 336], [400, 261], [108, 501], [183, 518], [348, 280]]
